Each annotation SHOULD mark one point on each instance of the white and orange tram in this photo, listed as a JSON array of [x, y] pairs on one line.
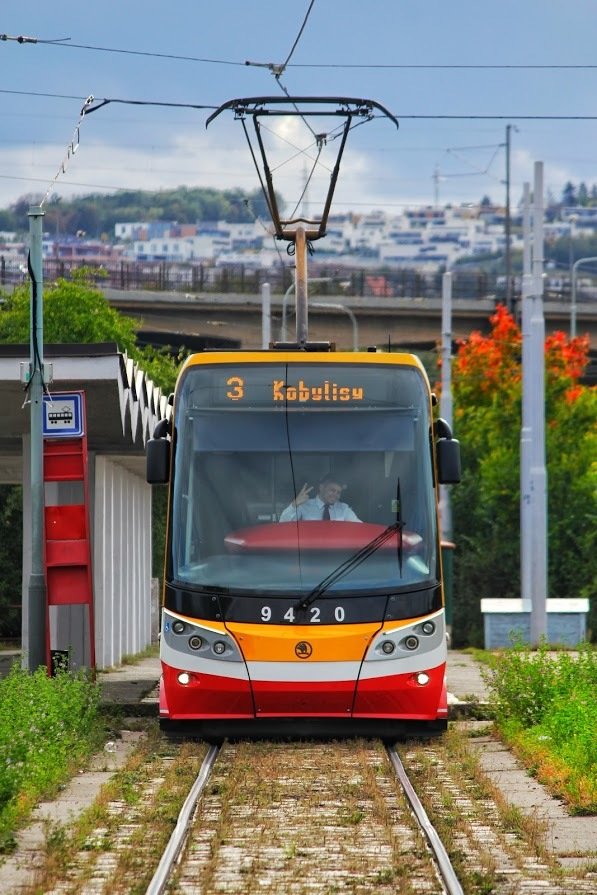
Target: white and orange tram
[[276, 624]]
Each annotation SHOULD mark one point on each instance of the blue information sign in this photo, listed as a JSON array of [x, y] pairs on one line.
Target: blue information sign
[[63, 415]]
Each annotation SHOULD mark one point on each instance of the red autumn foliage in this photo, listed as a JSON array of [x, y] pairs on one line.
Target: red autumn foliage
[[487, 362]]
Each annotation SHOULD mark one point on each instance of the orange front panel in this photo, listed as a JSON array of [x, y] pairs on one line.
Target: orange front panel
[[329, 643]]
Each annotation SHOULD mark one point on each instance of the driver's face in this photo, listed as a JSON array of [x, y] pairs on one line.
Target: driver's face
[[330, 492]]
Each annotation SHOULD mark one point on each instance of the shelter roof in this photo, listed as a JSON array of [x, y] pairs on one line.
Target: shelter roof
[[123, 404]]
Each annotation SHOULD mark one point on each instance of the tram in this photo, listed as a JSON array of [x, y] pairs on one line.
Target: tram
[[277, 621], [267, 622]]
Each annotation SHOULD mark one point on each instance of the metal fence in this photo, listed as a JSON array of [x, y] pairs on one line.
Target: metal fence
[[378, 282]]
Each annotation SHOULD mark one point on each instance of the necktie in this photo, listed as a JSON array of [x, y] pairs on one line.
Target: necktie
[[326, 511]]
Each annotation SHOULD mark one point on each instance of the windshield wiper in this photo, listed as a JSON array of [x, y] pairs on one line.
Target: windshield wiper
[[352, 562]]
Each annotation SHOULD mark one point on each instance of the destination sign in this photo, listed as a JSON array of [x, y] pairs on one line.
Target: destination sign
[[327, 391], [280, 386]]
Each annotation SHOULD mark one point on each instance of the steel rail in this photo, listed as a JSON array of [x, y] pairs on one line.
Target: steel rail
[[440, 854], [181, 830]]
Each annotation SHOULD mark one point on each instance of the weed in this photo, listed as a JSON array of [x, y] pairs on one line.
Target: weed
[[383, 876], [354, 818], [484, 883], [48, 727], [55, 836], [290, 851], [546, 710]]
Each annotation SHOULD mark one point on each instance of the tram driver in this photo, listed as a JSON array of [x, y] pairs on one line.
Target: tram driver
[[326, 504]]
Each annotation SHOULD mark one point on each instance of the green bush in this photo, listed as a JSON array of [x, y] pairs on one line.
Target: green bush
[[47, 728], [11, 550], [546, 707]]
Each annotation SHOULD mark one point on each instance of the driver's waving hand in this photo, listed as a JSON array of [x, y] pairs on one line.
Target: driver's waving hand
[[326, 505]]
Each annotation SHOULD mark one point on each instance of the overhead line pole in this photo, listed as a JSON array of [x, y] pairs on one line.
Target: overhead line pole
[[446, 403], [526, 432], [34, 616], [509, 300], [538, 473]]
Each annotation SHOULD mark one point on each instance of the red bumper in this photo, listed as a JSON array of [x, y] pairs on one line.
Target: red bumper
[[399, 696]]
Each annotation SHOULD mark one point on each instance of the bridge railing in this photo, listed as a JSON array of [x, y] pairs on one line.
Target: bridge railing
[[395, 282]]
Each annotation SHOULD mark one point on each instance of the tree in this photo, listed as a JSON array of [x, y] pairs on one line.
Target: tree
[[11, 549], [77, 311], [569, 194], [583, 194], [74, 311], [487, 419]]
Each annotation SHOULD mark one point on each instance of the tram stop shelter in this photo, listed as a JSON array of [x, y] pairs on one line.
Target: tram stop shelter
[[123, 406]]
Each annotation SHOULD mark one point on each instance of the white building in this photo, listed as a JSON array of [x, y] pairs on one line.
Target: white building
[[422, 237]]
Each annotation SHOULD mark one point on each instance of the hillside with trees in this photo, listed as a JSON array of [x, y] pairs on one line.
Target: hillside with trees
[[96, 214]]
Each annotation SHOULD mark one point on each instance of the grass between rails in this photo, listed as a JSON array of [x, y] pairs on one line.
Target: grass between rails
[[48, 728], [487, 839], [124, 833], [547, 712]]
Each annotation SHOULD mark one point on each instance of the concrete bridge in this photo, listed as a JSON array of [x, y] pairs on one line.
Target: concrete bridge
[[220, 320]]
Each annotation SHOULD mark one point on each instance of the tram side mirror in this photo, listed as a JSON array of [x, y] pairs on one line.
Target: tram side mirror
[[158, 454], [157, 471], [447, 454]]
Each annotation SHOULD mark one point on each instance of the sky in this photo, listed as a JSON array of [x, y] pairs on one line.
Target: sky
[[455, 74]]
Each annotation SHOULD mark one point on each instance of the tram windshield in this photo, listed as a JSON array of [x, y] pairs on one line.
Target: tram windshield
[[250, 439]]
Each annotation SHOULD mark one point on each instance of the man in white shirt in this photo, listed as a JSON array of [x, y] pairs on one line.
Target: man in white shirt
[[325, 505]]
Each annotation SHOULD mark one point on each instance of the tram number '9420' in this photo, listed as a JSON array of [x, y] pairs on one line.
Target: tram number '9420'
[[313, 615]]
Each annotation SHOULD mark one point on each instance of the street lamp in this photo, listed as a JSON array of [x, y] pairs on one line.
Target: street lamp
[[575, 267], [571, 234], [285, 299], [353, 319]]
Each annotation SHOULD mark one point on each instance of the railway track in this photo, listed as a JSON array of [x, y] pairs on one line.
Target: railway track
[[329, 811], [309, 818]]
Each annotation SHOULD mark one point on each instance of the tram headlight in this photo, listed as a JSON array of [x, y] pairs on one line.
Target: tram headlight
[[184, 678], [422, 678], [388, 647], [179, 627], [411, 642], [428, 627], [195, 642], [219, 648]]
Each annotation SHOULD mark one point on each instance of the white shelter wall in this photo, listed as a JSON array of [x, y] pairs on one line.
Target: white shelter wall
[[121, 562]]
